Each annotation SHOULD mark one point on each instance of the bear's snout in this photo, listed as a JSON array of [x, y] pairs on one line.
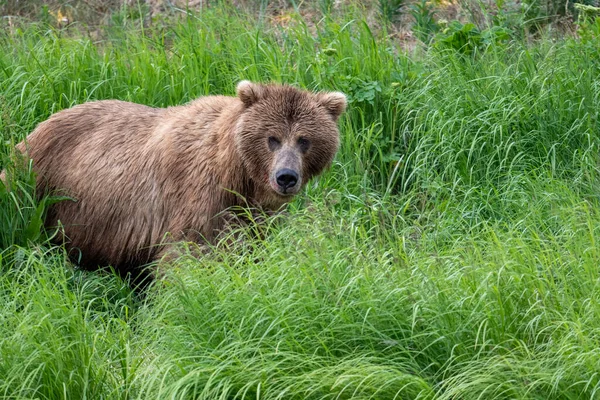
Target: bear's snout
[[286, 179], [286, 171]]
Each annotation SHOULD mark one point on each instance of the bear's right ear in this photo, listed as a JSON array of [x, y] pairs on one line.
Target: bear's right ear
[[333, 102], [249, 92]]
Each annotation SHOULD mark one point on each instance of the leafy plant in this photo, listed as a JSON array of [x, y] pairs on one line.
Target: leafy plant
[[425, 26], [361, 91], [21, 213], [588, 21], [467, 38]]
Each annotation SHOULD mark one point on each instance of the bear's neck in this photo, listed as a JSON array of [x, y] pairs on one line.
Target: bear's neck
[[234, 177]]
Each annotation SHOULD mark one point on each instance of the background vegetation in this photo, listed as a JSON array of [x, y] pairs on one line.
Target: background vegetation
[[451, 251]]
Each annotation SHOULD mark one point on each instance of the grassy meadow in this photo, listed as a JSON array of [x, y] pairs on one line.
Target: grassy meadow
[[451, 252]]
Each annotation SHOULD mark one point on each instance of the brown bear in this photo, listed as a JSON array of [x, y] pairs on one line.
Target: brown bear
[[137, 173]]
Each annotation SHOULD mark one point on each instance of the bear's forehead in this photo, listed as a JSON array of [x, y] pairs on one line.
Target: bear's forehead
[[292, 106]]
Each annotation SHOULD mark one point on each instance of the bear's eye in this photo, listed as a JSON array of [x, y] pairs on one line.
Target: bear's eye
[[274, 143], [304, 144]]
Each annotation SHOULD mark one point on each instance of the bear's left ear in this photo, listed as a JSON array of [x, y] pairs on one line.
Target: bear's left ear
[[334, 103], [249, 92]]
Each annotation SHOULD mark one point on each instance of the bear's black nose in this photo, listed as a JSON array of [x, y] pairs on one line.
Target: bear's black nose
[[286, 178]]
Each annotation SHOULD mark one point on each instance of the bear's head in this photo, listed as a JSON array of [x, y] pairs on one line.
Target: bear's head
[[286, 136]]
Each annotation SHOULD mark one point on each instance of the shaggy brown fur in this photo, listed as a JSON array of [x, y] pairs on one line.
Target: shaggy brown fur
[[137, 173]]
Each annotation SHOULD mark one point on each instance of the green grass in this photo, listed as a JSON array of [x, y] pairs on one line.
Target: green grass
[[450, 253]]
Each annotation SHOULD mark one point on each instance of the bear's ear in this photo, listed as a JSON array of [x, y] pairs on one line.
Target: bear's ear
[[249, 92], [334, 103]]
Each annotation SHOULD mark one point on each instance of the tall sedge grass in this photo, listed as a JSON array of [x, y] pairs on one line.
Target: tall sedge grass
[[450, 252]]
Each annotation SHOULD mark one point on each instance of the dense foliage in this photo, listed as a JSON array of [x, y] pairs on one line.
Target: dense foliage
[[451, 251]]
